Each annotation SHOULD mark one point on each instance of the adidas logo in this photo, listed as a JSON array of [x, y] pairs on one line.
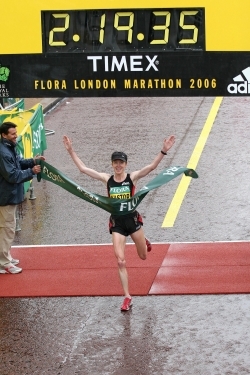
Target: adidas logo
[[242, 83]]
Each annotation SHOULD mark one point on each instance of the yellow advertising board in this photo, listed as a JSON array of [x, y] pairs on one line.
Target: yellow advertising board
[[227, 25]]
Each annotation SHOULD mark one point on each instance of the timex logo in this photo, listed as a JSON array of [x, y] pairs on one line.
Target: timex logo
[[125, 63]]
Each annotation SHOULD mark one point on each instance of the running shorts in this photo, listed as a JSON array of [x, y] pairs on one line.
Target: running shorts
[[125, 224]]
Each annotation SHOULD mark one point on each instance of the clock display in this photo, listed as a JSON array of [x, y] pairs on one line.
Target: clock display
[[118, 30]]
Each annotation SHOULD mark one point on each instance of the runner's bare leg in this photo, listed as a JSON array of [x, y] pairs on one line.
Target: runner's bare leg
[[119, 243], [139, 239]]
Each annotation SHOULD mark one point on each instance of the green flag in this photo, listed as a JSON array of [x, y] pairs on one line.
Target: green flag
[[32, 139], [113, 206]]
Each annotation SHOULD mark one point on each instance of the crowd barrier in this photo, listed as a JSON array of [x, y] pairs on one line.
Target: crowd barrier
[[11, 103]]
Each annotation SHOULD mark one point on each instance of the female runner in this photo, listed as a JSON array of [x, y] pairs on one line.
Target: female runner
[[122, 185]]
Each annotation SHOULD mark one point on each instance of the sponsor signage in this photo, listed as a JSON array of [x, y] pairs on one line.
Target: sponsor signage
[[116, 49], [210, 74]]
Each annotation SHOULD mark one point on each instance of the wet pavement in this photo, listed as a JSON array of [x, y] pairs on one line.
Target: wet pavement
[[195, 334], [189, 335]]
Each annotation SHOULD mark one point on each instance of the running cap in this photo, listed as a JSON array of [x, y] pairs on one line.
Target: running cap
[[117, 155]]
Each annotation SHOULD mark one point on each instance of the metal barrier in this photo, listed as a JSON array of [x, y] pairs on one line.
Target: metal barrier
[[19, 213], [18, 228], [49, 132], [11, 103]]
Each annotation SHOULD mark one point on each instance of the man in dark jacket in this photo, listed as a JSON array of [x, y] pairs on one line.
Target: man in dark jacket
[[14, 171]]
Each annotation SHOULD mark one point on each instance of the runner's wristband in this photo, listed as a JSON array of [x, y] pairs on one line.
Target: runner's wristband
[[164, 153]]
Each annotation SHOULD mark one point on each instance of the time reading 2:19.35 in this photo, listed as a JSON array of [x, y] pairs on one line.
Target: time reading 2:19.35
[[123, 30]]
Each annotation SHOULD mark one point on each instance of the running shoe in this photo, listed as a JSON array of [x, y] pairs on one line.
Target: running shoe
[[11, 269], [148, 244], [15, 261], [127, 304]]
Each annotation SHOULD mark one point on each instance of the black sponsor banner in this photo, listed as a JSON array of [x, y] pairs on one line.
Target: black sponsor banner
[[147, 74]]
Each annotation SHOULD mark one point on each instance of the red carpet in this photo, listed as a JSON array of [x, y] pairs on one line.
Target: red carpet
[[204, 268], [190, 268], [79, 271]]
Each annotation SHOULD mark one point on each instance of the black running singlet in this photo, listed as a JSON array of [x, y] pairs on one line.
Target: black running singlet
[[121, 190]]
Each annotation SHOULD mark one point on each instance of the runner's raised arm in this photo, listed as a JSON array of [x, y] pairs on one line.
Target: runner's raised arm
[[167, 144], [80, 164]]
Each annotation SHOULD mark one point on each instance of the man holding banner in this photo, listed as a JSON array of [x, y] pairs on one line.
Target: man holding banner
[[121, 185], [14, 171]]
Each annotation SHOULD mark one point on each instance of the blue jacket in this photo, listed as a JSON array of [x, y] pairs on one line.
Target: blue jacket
[[13, 172]]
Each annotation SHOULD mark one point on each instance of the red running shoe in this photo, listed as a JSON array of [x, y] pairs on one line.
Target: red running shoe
[[148, 244], [127, 304]]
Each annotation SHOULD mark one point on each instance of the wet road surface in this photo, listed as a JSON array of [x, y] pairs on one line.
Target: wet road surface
[[189, 335], [162, 334]]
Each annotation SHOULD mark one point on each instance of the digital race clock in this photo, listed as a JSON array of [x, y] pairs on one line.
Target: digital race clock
[[118, 30]]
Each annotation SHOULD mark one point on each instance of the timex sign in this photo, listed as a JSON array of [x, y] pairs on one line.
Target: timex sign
[[123, 63]]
